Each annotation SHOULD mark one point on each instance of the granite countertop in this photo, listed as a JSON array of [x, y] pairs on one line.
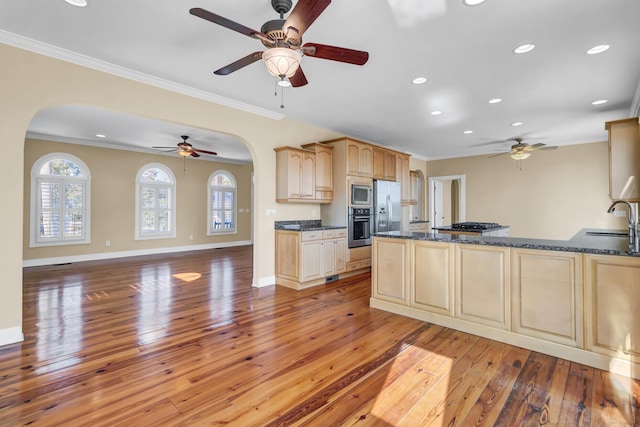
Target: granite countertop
[[584, 241], [305, 225]]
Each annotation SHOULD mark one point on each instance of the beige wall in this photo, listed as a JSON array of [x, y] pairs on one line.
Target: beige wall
[[113, 174], [34, 82], [552, 196]]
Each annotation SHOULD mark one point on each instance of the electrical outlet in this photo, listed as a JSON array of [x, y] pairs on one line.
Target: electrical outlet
[[107, 243], [190, 236]]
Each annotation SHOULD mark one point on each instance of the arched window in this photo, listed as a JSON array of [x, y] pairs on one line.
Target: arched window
[[60, 201], [155, 202], [221, 216]]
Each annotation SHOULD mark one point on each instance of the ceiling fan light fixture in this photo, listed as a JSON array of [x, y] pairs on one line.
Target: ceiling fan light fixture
[[520, 155], [281, 61], [184, 153]]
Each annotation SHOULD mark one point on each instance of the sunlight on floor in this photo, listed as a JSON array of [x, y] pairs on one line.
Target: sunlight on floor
[[405, 397], [187, 277]]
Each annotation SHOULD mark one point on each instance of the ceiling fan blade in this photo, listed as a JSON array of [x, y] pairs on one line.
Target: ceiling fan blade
[[240, 63], [538, 145], [194, 154], [213, 153], [333, 53], [301, 18], [548, 147], [227, 23], [298, 79], [501, 154]]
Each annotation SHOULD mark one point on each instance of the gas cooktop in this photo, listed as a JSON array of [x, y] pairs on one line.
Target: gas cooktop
[[474, 225]]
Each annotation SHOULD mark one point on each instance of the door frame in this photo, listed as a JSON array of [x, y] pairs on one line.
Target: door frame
[[461, 196]]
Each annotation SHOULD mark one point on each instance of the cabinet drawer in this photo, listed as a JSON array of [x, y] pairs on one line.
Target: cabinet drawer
[[354, 265], [329, 234], [311, 235], [324, 195], [342, 232]]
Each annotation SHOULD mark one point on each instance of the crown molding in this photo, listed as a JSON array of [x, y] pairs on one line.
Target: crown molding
[[45, 49]]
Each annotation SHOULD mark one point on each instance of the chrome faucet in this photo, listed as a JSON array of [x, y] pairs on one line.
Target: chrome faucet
[[632, 220]]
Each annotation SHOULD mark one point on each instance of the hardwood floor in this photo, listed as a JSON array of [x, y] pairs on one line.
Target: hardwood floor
[[184, 340]]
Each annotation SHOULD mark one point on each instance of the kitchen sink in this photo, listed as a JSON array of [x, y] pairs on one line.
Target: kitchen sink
[[608, 233]]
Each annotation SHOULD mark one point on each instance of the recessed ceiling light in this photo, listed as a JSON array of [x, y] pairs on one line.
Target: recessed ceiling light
[[468, 131], [517, 124], [495, 100], [436, 113], [599, 102], [79, 3], [284, 83], [419, 80], [472, 2], [99, 135], [598, 49], [524, 48]]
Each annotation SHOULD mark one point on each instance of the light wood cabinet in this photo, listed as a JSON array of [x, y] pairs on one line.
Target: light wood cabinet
[[390, 272], [359, 158], [295, 175], [403, 177], [432, 276], [612, 299], [306, 258], [482, 285], [384, 164], [624, 159], [323, 171], [547, 296], [414, 187]]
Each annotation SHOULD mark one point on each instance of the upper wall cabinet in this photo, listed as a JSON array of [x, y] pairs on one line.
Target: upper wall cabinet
[[359, 159], [323, 171], [384, 164], [295, 175], [624, 159]]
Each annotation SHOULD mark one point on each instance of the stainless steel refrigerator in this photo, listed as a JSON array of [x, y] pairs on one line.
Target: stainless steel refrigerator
[[386, 206]]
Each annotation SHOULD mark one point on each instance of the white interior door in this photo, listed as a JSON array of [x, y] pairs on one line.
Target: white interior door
[[438, 204], [437, 207]]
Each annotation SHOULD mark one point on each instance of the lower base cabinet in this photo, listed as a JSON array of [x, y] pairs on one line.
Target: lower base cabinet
[[389, 273], [580, 307], [547, 295], [613, 306]]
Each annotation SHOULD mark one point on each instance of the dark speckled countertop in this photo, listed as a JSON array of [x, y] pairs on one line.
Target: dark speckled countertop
[[304, 225], [584, 241]]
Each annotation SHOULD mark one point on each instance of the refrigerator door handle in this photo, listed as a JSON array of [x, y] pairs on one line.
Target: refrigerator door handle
[[389, 212]]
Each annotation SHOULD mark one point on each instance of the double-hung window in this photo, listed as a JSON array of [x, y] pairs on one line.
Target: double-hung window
[[221, 215], [155, 202], [60, 201]]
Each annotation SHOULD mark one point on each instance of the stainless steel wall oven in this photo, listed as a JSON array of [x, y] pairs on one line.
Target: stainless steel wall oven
[[360, 227]]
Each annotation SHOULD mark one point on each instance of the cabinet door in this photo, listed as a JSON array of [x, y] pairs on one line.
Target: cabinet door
[[287, 254], [308, 176], [340, 255], [353, 158], [379, 163], [624, 159], [366, 160], [432, 276], [295, 165], [482, 285], [402, 176], [546, 295], [612, 299], [312, 260], [324, 169], [389, 280]]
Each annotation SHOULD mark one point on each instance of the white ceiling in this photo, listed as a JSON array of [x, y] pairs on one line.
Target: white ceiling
[[465, 53]]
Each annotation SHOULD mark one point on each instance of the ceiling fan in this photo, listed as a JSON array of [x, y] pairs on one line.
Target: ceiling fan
[[283, 40], [185, 149], [521, 150]]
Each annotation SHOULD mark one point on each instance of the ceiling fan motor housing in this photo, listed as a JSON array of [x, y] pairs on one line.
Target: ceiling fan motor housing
[[281, 6], [273, 30]]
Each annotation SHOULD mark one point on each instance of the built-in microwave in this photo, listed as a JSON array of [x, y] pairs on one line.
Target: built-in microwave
[[361, 194]]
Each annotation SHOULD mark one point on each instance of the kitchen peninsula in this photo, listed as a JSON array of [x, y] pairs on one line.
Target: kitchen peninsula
[[577, 299]]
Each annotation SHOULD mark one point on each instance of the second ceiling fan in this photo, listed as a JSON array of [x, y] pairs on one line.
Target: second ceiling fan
[[283, 40], [521, 150]]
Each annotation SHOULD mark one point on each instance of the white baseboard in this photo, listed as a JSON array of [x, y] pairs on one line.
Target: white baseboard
[[125, 254], [11, 335], [264, 281]]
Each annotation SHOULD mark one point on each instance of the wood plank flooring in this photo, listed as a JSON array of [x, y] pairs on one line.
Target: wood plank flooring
[[184, 340]]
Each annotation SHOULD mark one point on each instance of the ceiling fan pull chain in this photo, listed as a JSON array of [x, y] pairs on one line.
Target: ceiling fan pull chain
[[282, 94]]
